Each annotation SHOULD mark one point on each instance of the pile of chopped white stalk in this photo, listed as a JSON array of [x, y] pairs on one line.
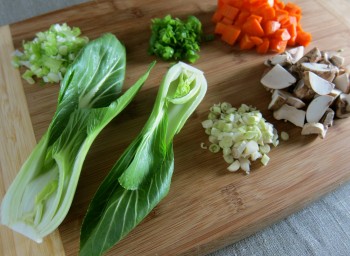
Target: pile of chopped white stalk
[[308, 90], [242, 134]]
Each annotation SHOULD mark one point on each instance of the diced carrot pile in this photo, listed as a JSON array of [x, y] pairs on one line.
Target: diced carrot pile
[[261, 24]]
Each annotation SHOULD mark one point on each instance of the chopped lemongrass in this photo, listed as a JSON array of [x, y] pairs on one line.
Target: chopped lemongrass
[[215, 109], [256, 155], [212, 116], [228, 159], [265, 159], [207, 124], [225, 106], [234, 166], [203, 146], [213, 139], [264, 149], [227, 151], [241, 133], [245, 165], [284, 136], [214, 148]]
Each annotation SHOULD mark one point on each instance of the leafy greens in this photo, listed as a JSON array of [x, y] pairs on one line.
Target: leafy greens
[[89, 98], [141, 178]]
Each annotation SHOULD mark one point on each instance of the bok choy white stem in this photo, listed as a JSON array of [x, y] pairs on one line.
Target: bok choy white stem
[[141, 177], [89, 98]]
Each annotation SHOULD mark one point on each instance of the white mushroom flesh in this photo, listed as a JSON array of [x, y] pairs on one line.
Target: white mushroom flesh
[[296, 53], [278, 78], [318, 84], [317, 108]]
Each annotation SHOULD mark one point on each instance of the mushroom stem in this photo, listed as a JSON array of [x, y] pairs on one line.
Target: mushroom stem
[[314, 128], [291, 114]]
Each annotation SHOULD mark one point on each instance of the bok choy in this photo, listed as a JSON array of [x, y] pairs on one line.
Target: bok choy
[[89, 98], [141, 177]]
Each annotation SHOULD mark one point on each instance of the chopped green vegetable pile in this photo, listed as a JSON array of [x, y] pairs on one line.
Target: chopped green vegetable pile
[[49, 54], [174, 39], [242, 134]]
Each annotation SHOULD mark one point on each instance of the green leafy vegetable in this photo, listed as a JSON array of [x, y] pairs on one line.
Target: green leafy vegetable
[[89, 98], [49, 54], [174, 39], [141, 177]]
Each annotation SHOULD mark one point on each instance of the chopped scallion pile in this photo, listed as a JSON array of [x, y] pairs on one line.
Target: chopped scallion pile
[[175, 39], [242, 134]]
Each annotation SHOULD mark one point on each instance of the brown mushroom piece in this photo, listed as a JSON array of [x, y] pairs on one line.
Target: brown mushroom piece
[[291, 114], [277, 101], [291, 100], [328, 117], [314, 55], [342, 106], [337, 60], [277, 78], [342, 83], [302, 91], [327, 72], [325, 58], [314, 128], [317, 84], [282, 59]]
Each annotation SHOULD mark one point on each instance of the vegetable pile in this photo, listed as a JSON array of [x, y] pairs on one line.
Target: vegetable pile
[[90, 97], [174, 39], [308, 90], [263, 24], [141, 177], [50, 53], [242, 134], [314, 87]]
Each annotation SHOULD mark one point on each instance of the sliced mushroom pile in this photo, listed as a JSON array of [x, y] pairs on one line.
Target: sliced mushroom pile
[[308, 90]]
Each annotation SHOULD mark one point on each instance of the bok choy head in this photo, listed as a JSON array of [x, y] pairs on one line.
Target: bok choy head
[[89, 98], [141, 177]]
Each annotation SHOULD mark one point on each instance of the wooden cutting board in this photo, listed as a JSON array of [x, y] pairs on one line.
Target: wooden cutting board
[[207, 207]]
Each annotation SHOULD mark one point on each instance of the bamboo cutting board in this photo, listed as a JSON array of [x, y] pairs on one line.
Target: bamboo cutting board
[[207, 207]]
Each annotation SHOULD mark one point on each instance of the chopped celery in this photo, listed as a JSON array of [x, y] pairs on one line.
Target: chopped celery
[[49, 54], [284, 136]]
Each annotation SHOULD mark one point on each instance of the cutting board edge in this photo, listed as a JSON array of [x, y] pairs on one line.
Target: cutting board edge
[[16, 143]]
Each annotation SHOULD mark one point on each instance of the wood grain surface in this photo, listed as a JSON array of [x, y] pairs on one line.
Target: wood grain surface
[[207, 207]]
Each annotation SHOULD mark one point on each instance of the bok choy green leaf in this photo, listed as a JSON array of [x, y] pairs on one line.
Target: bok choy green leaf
[[89, 98], [141, 177]]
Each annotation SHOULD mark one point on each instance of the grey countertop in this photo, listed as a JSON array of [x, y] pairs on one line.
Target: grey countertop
[[323, 228]]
